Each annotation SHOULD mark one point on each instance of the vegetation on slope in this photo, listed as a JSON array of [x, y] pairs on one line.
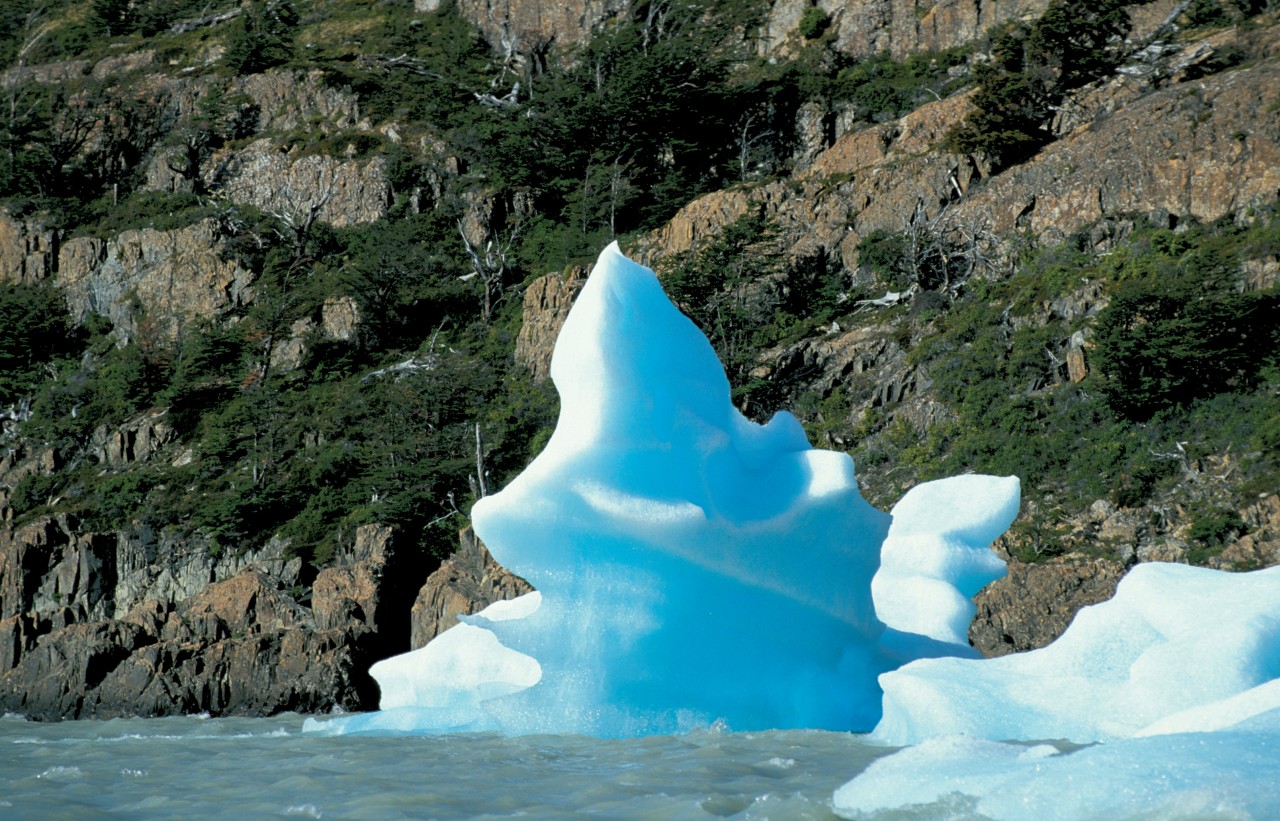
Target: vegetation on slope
[[391, 426], [1184, 365]]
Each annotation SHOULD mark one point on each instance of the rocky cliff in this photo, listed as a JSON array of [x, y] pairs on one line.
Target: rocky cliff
[[96, 625]]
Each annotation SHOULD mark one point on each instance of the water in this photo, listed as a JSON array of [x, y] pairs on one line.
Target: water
[[242, 768]]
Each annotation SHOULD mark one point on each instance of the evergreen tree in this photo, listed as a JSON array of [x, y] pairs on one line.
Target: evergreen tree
[[264, 38]]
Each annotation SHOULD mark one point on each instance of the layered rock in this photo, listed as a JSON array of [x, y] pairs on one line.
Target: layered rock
[[165, 279], [239, 646], [92, 626], [1034, 603], [467, 582], [52, 563]]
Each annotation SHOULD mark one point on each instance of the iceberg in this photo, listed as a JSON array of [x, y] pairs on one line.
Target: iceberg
[[693, 568], [1223, 775], [1177, 648], [1175, 680]]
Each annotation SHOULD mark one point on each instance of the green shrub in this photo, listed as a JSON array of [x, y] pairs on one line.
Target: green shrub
[[1216, 526], [263, 37], [813, 22]]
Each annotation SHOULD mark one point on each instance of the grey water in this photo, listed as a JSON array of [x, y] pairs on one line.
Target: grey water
[[247, 768]]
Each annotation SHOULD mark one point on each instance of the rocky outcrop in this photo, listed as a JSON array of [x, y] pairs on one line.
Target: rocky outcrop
[[1259, 546], [286, 100], [546, 306], [153, 282], [52, 563], [1201, 148], [869, 364], [28, 249], [135, 441], [240, 646], [524, 26], [865, 28], [94, 626], [338, 191], [373, 584], [870, 179], [466, 583], [1035, 603]]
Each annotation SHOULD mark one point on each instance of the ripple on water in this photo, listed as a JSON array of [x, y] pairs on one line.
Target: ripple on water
[[243, 768]]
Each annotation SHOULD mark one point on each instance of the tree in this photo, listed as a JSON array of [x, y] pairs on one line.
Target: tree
[[1162, 343], [116, 15], [1031, 70], [264, 37], [35, 327]]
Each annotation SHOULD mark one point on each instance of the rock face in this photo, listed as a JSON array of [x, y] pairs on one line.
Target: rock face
[[534, 25], [135, 441], [53, 564], [1035, 603], [546, 305], [170, 278], [1260, 546], [1211, 155], [95, 626], [865, 28], [28, 250], [239, 646], [465, 583], [340, 191]]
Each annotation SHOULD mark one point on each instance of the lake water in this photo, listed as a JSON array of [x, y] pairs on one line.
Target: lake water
[[244, 768]]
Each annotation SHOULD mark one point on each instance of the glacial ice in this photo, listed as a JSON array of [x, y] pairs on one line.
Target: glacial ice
[[1177, 648], [1178, 677], [694, 567], [1229, 774]]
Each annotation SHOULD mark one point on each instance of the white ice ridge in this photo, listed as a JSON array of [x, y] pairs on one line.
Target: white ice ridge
[[1229, 774], [693, 566], [1177, 649]]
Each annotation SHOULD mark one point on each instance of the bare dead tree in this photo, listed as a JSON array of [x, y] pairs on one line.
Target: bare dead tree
[[480, 481], [299, 214], [619, 184], [747, 143], [490, 266]]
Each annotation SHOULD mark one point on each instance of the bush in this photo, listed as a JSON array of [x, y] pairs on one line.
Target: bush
[[813, 22], [35, 328], [1216, 526], [263, 38], [1162, 343]]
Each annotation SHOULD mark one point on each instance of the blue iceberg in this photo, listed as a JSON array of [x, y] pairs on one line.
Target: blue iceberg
[[696, 569], [692, 567]]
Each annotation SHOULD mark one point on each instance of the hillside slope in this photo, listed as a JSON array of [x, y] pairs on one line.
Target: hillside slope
[[275, 302]]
